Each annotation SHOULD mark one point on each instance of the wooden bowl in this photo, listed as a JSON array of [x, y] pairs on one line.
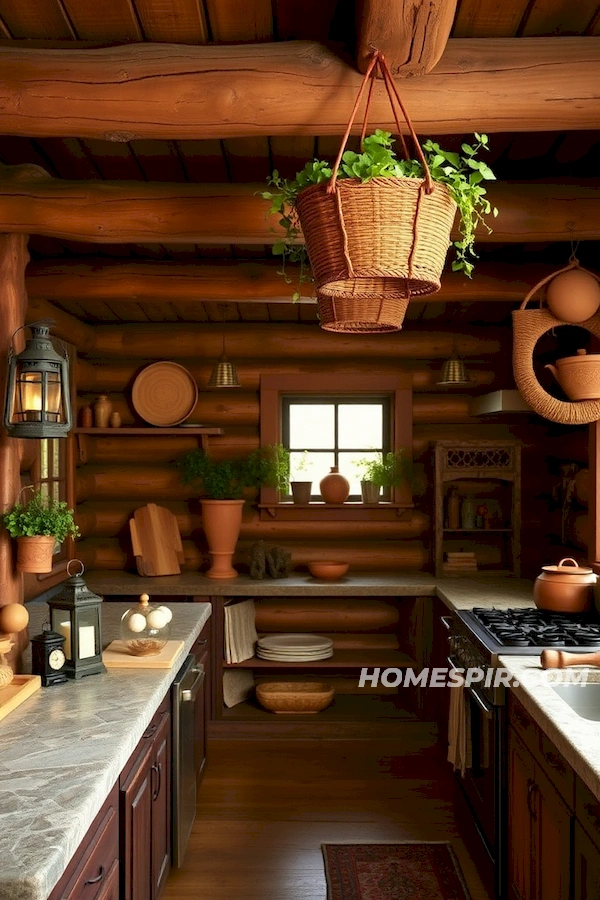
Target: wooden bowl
[[294, 697], [328, 569]]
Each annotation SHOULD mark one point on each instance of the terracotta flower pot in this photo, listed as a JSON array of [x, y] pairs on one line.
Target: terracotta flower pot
[[370, 492], [34, 554], [221, 521], [301, 491]]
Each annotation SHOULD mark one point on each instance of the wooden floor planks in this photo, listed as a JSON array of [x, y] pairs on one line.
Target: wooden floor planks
[[265, 807]]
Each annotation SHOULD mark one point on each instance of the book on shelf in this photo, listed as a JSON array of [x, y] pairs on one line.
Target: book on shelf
[[240, 630]]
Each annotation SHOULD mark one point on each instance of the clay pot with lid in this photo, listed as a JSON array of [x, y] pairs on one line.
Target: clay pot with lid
[[578, 376], [565, 588]]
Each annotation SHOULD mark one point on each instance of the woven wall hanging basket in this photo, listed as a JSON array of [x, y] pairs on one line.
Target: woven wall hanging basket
[[376, 241], [528, 327]]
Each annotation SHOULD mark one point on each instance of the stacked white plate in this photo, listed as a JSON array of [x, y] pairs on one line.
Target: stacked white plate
[[294, 647]]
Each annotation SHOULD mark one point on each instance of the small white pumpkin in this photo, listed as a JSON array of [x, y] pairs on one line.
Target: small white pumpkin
[[156, 619], [167, 613], [573, 296], [136, 622]]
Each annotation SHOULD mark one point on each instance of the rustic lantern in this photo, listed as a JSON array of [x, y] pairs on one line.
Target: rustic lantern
[[75, 614], [38, 403], [224, 374]]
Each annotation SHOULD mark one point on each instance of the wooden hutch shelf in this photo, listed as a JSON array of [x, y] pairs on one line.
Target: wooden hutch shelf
[[341, 659], [486, 474], [204, 432]]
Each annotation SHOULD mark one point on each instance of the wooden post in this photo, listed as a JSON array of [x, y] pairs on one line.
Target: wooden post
[[594, 497], [13, 259]]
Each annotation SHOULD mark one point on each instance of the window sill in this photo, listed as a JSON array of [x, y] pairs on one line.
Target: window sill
[[336, 512]]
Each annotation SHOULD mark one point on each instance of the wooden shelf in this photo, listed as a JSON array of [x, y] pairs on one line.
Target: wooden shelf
[[345, 708], [335, 511], [341, 659], [127, 430], [477, 530]]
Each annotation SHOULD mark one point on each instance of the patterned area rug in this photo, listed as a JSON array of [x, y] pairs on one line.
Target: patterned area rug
[[408, 871]]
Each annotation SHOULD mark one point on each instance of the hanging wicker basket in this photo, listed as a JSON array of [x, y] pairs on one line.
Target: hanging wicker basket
[[528, 327], [384, 240]]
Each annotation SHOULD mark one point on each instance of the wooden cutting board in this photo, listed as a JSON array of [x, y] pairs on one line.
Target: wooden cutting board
[[116, 656], [156, 541], [20, 688]]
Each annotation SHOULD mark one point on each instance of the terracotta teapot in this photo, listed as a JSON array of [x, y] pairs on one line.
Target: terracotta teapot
[[578, 376], [564, 588]]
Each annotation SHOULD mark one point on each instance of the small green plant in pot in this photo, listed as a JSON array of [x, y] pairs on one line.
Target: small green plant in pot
[[223, 484], [387, 470], [38, 524], [301, 487]]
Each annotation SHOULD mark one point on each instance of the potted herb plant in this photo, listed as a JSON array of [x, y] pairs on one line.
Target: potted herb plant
[[223, 484], [301, 490], [38, 525], [376, 227], [387, 470]]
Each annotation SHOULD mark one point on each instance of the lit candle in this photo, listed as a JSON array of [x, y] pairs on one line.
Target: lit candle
[[64, 628]]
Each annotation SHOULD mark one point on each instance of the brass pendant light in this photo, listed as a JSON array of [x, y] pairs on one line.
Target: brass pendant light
[[224, 373], [454, 372]]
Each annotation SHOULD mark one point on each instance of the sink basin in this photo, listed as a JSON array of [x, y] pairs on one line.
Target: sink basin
[[584, 699]]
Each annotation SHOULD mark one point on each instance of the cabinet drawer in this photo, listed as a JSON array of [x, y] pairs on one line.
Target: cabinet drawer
[[524, 726], [558, 770], [88, 875], [587, 810], [110, 888]]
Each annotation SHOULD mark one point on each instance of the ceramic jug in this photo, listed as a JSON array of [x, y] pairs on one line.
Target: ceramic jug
[[334, 487]]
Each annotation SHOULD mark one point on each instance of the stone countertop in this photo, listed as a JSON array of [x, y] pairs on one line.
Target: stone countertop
[[578, 739], [63, 749], [456, 593]]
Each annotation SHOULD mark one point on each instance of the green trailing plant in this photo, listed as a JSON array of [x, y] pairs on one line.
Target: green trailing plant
[[41, 515], [387, 469], [462, 173], [228, 479]]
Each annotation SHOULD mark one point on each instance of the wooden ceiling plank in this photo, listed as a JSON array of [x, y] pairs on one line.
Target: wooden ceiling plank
[[253, 312], [101, 20], [69, 158], [240, 20], [188, 313], [36, 19], [412, 34], [169, 91], [482, 19], [173, 21], [553, 17], [129, 312], [309, 20], [138, 212], [18, 150], [247, 159], [158, 160], [289, 155], [114, 160], [204, 161], [156, 312]]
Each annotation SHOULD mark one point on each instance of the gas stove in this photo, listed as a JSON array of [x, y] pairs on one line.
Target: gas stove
[[525, 632]]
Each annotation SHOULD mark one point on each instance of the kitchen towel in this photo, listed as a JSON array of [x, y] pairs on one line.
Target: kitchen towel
[[240, 631], [459, 729]]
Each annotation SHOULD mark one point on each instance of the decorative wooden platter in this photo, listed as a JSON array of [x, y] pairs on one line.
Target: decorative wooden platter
[[116, 656], [164, 393], [20, 688]]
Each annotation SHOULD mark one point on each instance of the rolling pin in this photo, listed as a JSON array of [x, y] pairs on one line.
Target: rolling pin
[[558, 659]]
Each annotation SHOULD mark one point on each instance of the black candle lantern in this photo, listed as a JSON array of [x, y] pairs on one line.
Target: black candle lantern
[[75, 614], [38, 403]]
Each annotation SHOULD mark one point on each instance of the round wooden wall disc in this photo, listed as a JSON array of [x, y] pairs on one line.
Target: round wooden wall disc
[[164, 393]]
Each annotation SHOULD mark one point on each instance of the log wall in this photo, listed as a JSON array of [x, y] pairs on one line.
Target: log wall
[[116, 474]]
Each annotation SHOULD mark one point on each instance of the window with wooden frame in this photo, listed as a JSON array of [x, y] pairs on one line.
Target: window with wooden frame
[[326, 420]]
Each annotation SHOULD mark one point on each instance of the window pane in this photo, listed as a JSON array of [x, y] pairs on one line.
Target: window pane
[[360, 425], [314, 467], [312, 425], [44, 458], [351, 468], [56, 458]]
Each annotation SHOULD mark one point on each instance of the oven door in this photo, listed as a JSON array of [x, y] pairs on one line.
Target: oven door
[[480, 783]]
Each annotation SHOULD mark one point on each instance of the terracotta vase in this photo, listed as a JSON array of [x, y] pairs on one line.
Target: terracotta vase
[[301, 491], [86, 417], [102, 411], [221, 521], [334, 487], [34, 554], [565, 588]]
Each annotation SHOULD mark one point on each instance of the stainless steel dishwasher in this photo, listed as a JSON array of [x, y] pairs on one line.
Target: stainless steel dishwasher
[[185, 691]]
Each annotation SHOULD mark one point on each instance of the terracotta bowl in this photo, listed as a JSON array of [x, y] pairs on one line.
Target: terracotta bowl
[[294, 697], [327, 569]]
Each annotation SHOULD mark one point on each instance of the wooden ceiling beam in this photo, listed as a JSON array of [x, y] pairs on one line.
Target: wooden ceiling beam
[[412, 34], [174, 91], [235, 281], [153, 212]]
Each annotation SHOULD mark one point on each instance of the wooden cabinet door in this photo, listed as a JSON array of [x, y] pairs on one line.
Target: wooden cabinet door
[[553, 841], [521, 822], [201, 712], [110, 889], [161, 805], [586, 866], [136, 829]]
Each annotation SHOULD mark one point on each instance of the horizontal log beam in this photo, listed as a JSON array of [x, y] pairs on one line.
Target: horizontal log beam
[[138, 211], [236, 281], [66, 327], [289, 88], [250, 341]]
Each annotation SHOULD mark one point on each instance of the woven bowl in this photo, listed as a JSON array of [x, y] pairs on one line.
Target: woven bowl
[[328, 569], [294, 697]]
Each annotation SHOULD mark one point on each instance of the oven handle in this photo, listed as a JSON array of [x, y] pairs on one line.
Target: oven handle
[[486, 709], [446, 622]]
